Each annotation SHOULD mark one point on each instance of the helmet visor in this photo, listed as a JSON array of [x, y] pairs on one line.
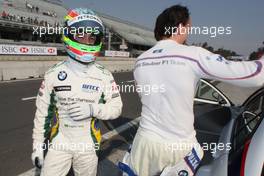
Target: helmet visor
[[86, 32], [87, 39]]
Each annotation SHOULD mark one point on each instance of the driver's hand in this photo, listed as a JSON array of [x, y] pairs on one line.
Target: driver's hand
[[37, 157], [80, 111]]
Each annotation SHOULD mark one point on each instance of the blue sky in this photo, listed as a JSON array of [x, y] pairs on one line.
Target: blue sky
[[245, 17]]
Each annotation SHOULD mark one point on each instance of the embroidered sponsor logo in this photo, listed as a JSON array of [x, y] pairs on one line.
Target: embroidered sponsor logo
[[114, 86], [183, 173], [62, 88], [40, 93], [90, 88], [192, 160], [62, 75], [42, 86], [158, 51], [115, 95]]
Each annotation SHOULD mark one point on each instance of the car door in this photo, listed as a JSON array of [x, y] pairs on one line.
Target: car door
[[212, 113], [245, 127], [211, 108]]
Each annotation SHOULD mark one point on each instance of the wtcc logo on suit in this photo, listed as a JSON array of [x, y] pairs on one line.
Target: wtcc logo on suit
[[90, 88]]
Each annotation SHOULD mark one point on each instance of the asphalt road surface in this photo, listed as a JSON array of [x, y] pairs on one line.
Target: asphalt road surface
[[17, 107]]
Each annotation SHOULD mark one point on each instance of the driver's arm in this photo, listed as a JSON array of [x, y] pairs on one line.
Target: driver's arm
[[45, 104], [242, 73], [110, 105]]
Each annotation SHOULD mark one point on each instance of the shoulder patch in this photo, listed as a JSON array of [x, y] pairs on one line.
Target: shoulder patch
[[103, 69], [52, 69], [99, 66]]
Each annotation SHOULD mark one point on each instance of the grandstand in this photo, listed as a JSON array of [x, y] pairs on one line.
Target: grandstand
[[18, 17]]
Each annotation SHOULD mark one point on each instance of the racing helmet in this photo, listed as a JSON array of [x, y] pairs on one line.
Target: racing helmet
[[83, 34]]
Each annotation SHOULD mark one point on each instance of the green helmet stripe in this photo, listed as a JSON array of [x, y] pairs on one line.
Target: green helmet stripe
[[82, 47]]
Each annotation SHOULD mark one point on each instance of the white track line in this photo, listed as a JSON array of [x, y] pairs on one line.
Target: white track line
[[120, 129], [30, 172], [20, 80], [129, 81], [28, 98], [34, 79], [105, 136]]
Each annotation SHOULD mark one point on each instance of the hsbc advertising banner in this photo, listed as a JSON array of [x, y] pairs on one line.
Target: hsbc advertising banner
[[27, 50], [116, 53]]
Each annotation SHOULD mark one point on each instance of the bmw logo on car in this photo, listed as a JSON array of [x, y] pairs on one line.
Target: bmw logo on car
[[183, 173], [62, 75]]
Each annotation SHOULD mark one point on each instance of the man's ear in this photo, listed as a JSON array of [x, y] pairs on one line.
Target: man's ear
[[180, 26]]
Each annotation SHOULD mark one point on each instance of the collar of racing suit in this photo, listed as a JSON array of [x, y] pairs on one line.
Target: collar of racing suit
[[79, 68], [168, 41]]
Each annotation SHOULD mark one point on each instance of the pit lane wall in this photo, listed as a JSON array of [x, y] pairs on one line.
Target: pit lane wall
[[24, 67]]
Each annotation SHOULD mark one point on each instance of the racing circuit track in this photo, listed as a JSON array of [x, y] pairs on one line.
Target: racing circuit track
[[17, 106]]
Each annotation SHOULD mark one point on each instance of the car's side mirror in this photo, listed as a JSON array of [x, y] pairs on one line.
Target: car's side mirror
[[222, 102], [219, 98], [215, 95]]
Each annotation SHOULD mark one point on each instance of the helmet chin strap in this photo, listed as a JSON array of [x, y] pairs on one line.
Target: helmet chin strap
[[84, 63]]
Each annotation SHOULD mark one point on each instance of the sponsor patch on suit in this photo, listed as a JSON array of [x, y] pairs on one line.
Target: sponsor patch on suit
[[62, 88]]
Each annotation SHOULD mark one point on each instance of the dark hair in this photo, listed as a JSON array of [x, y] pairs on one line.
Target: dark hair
[[170, 18]]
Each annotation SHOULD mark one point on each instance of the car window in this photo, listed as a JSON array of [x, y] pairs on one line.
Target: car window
[[249, 120], [256, 105], [206, 92]]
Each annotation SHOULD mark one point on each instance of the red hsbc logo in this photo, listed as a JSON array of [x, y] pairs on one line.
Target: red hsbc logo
[[23, 50], [27, 50], [51, 50]]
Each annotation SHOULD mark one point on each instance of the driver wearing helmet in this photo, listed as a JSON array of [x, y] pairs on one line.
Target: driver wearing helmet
[[74, 94]]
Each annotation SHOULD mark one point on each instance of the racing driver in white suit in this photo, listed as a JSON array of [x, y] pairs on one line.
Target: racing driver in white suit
[[80, 92], [166, 139]]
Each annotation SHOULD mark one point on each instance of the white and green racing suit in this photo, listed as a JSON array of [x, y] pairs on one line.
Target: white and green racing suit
[[73, 142]]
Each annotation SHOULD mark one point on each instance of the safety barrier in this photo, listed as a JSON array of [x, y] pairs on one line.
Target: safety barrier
[[24, 67]]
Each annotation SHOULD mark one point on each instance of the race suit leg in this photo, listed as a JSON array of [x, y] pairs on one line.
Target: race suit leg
[[56, 163], [85, 163], [187, 166], [150, 155], [59, 162]]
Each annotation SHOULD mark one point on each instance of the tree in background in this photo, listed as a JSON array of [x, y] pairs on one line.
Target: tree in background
[[255, 55], [223, 52]]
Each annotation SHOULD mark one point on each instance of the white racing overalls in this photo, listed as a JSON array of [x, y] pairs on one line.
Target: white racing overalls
[[73, 142], [172, 72]]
